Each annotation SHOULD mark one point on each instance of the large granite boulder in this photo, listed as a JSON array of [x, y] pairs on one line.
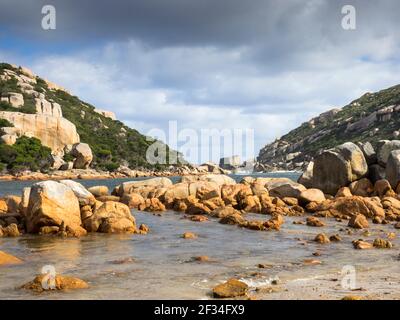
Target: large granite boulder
[[83, 195], [290, 189], [53, 132], [135, 186], [53, 204], [393, 168], [307, 176], [111, 217], [369, 152], [177, 191], [83, 155], [385, 148], [219, 179], [338, 167]]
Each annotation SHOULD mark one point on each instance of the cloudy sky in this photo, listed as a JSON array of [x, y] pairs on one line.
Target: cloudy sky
[[226, 64]]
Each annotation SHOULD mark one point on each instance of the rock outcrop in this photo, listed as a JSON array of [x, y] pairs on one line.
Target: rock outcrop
[[83, 155], [53, 204], [338, 167], [53, 132], [107, 114]]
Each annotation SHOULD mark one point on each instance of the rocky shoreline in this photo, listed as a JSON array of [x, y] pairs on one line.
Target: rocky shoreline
[[122, 172], [338, 188]]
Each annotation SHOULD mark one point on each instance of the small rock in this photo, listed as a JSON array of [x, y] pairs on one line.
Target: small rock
[[6, 258], [60, 283], [352, 298], [314, 222], [360, 244], [230, 289], [264, 266], [11, 231], [198, 218], [144, 229], [335, 238], [382, 244], [321, 238], [358, 221], [189, 235], [49, 230], [201, 258], [312, 262]]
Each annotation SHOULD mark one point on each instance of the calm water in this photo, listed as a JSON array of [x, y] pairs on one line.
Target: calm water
[[162, 266]]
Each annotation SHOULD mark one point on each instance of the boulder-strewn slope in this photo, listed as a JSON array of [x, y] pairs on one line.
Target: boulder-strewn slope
[[34, 107], [373, 117]]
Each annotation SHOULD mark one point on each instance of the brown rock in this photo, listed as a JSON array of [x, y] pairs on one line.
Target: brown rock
[[110, 217], [290, 201], [198, 218], [108, 198], [232, 219], [349, 206], [315, 222], [11, 231], [3, 206], [358, 221], [230, 289], [197, 208], [52, 203], [99, 191], [201, 258], [362, 187], [311, 195], [352, 298], [189, 235], [343, 192], [382, 187], [335, 238], [6, 258], [321, 238], [312, 262], [144, 229], [13, 203], [132, 200], [275, 222], [49, 230], [382, 244], [250, 204], [60, 283], [360, 244], [151, 205], [224, 211]]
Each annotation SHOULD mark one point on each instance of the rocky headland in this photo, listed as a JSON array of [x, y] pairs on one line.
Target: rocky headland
[[371, 118], [44, 130]]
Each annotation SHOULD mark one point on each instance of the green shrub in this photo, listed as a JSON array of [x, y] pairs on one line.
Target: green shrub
[[25, 154], [68, 158], [5, 123], [111, 166]]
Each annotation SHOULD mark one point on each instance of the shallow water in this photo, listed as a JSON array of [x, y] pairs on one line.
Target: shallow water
[[161, 266]]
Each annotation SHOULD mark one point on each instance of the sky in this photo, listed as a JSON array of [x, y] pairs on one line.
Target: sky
[[263, 65]]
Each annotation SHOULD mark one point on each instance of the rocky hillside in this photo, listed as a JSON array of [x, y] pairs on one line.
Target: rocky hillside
[[372, 117], [73, 133]]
